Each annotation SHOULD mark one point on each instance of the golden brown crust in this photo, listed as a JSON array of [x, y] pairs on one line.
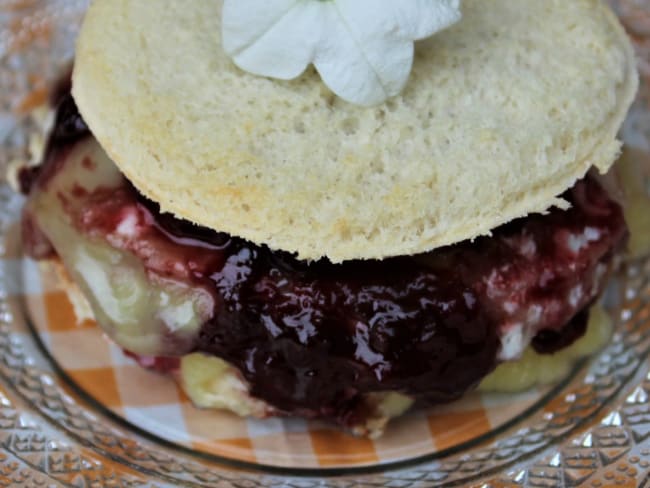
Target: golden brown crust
[[503, 112]]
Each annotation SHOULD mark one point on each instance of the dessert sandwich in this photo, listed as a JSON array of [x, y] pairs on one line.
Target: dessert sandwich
[[301, 216]]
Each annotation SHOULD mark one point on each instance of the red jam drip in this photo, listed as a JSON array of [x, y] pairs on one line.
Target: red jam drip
[[313, 339], [549, 341], [27, 178], [69, 128], [156, 363]]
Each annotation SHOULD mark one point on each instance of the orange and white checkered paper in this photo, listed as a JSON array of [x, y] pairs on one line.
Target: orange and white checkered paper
[[155, 404]]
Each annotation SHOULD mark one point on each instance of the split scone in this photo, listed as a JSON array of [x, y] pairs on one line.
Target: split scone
[[284, 252]]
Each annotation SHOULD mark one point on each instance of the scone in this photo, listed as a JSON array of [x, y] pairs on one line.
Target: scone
[[300, 255]]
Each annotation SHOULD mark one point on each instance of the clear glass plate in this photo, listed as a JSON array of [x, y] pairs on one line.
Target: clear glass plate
[[60, 427]]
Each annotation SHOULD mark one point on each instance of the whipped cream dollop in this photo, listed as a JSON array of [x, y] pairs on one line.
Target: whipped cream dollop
[[362, 49]]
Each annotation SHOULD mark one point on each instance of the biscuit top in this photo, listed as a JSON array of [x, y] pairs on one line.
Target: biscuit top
[[502, 113]]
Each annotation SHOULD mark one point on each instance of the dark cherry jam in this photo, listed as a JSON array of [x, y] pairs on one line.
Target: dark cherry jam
[[313, 339], [548, 341], [69, 127]]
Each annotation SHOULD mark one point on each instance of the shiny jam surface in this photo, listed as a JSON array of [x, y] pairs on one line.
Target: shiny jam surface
[[312, 339]]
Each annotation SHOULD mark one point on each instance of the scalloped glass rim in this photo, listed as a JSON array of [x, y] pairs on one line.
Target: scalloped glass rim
[[602, 394]]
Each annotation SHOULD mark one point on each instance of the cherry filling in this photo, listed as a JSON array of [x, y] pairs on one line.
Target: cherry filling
[[313, 339]]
